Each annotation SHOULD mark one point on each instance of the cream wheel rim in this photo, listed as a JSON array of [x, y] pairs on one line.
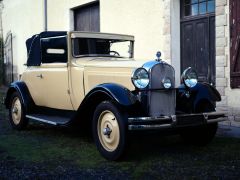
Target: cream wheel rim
[[16, 111], [108, 131]]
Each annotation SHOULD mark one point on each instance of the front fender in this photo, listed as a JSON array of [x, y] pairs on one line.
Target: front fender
[[111, 92], [202, 92], [115, 92], [22, 89]]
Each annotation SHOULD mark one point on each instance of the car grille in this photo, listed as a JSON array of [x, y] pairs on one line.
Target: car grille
[[161, 102]]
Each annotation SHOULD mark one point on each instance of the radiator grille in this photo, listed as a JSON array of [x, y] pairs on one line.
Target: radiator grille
[[161, 102]]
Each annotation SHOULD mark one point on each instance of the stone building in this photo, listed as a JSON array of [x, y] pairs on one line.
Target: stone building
[[198, 33]]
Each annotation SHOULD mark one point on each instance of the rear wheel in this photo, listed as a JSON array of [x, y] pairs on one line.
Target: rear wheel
[[201, 135], [109, 130], [16, 112]]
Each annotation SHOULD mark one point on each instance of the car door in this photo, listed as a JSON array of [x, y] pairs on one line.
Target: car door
[[33, 80], [54, 82], [53, 73]]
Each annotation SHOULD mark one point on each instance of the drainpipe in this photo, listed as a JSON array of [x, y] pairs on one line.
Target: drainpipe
[[1, 47], [45, 16]]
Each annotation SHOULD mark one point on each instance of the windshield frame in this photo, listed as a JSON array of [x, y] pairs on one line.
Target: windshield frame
[[103, 36]]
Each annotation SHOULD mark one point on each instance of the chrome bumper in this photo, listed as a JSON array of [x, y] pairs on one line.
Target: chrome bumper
[[183, 120]]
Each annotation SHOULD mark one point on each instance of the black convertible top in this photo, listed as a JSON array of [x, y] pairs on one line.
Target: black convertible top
[[34, 48]]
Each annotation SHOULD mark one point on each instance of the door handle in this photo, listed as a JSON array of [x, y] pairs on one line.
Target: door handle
[[40, 76]]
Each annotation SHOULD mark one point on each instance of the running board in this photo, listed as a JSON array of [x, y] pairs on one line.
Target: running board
[[53, 120]]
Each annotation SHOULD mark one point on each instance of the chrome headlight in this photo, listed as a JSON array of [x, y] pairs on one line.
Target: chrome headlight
[[140, 78], [189, 77], [166, 83]]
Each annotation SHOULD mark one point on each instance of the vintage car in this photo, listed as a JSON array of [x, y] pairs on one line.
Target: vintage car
[[92, 78]]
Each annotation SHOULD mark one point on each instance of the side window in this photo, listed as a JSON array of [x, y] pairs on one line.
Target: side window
[[90, 46], [54, 49]]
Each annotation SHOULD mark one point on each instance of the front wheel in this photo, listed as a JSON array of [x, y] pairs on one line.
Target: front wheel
[[201, 135], [109, 130], [16, 112]]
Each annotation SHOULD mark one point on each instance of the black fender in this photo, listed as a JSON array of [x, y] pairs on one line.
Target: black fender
[[202, 92], [22, 89], [115, 92]]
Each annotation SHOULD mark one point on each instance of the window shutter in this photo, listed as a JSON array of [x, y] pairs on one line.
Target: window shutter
[[235, 43]]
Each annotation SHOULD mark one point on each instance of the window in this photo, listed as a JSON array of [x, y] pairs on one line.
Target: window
[[198, 7], [102, 47], [54, 49]]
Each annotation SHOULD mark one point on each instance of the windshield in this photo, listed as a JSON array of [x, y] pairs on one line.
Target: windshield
[[102, 47]]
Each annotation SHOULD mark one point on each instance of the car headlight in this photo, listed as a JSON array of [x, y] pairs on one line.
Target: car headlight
[[166, 83], [140, 78], [189, 77]]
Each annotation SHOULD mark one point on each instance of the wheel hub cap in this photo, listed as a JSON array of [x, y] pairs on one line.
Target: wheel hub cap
[[15, 110], [108, 131]]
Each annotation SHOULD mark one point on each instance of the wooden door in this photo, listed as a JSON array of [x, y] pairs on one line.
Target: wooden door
[[87, 18], [235, 43], [198, 38]]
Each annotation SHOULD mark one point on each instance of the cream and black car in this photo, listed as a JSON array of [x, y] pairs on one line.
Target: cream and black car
[[92, 79]]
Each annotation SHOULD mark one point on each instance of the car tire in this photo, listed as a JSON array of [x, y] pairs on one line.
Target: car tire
[[17, 114], [200, 135], [109, 129], [204, 134]]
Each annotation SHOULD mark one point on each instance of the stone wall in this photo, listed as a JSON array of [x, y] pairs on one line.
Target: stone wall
[[221, 53], [229, 101], [167, 31]]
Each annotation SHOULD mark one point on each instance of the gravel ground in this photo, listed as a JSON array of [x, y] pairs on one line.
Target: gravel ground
[[10, 169]]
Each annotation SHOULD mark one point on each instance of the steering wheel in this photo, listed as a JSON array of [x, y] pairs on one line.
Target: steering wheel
[[114, 53]]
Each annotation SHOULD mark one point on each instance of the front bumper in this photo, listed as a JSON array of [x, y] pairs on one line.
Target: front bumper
[[175, 121]]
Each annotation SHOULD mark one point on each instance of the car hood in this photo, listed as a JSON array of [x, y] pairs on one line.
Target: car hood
[[108, 70], [109, 62]]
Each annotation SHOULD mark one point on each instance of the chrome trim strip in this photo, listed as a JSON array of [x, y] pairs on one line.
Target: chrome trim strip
[[54, 37], [217, 120], [41, 120], [174, 120], [174, 116], [142, 119], [148, 127], [214, 113]]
